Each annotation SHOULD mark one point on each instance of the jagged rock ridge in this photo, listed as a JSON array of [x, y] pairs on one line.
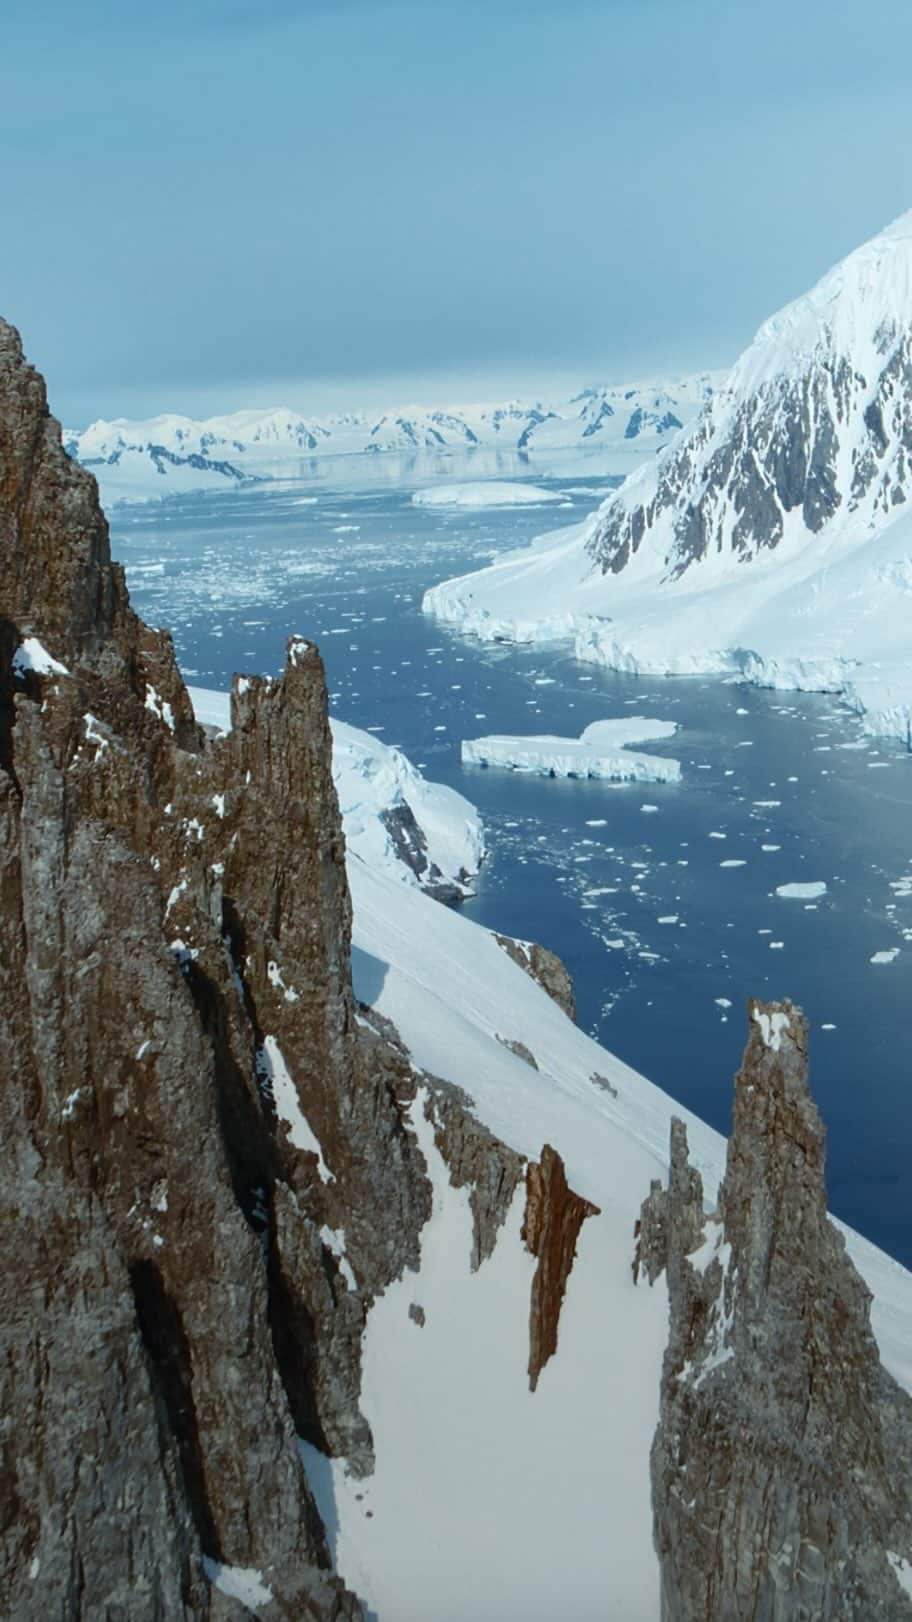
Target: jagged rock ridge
[[209, 1172], [781, 1465]]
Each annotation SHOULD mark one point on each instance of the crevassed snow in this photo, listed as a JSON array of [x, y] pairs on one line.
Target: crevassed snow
[[600, 751], [491, 494]]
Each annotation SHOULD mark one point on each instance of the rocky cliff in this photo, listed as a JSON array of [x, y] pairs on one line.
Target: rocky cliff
[[211, 1168], [782, 1464], [208, 1167]]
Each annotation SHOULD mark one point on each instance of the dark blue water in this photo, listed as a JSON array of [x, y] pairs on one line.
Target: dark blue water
[[659, 936]]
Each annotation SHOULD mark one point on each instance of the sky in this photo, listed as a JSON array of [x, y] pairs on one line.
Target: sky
[[327, 203]]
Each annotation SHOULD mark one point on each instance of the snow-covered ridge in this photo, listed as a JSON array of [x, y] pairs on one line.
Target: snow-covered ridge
[[174, 453], [771, 540]]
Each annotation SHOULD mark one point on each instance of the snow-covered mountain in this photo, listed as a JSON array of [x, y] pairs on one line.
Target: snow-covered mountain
[[174, 453], [772, 537]]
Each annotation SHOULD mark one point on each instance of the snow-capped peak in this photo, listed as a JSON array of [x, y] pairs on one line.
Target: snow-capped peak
[[811, 432], [174, 452]]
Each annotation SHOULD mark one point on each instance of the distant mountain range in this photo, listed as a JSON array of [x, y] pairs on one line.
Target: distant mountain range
[[172, 453]]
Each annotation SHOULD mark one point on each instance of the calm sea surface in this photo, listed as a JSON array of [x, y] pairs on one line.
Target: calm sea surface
[[659, 898]]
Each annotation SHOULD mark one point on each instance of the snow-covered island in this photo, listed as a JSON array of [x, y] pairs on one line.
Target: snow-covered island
[[602, 750]]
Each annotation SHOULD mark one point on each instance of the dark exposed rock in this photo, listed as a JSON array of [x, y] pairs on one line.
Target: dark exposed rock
[[545, 967], [553, 1219], [782, 1465], [750, 460], [208, 1168], [603, 1084], [417, 1314], [519, 1048], [411, 846], [475, 1159]]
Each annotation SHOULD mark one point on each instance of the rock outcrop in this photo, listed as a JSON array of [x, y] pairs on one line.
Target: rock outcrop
[[553, 1219], [782, 1464], [411, 846], [545, 967]]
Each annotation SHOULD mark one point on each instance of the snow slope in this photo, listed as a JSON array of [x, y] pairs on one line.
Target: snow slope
[[173, 453], [770, 540], [601, 750], [549, 1491]]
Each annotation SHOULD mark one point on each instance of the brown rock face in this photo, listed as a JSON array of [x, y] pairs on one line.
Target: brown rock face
[[545, 967], [782, 1465], [196, 1133], [554, 1217]]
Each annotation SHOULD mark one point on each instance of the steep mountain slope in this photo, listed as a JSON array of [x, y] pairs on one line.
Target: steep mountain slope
[[770, 538], [172, 453], [291, 1279]]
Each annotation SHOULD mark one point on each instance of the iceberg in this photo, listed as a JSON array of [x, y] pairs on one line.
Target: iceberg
[[601, 751]]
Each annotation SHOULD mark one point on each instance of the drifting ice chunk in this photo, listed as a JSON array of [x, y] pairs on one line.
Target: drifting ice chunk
[[800, 892], [601, 751], [492, 494]]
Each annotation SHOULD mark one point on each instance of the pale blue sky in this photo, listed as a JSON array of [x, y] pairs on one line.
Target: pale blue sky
[[327, 201]]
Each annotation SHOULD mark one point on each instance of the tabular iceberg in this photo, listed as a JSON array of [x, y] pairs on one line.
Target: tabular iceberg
[[600, 751]]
